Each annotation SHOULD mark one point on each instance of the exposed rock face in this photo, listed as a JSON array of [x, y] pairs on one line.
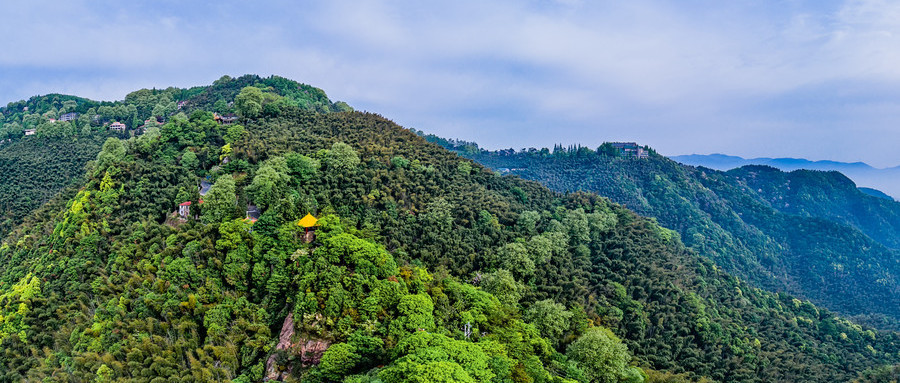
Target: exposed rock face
[[312, 351], [309, 350]]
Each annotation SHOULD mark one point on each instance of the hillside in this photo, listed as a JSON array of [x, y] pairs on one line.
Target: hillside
[[35, 169], [829, 195], [755, 222], [69, 130], [425, 267], [884, 180]]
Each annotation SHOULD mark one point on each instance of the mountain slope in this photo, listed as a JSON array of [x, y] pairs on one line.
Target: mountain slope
[[863, 174], [800, 240], [828, 195], [426, 266]]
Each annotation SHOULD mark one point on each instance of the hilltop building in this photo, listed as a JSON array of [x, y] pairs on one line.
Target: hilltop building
[[29, 132], [68, 116], [226, 119], [117, 126], [630, 149]]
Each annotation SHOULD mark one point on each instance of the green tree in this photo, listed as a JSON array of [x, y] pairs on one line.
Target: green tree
[[302, 167], [113, 151], [416, 313], [504, 286], [268, 186], [551, 319], [220, 202], [431, 357], [234, 133], [338, 361], [602, 356], [249, 102], [514, 256], [399, 162], [342, 157], [189, 160]]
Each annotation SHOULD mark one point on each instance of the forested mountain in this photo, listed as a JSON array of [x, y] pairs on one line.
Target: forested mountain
[[884, 179], [35, 169], [809, 233], [425, 267], [68, 130]]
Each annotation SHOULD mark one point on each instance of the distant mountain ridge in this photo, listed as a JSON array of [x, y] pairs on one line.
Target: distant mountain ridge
[[886, 180], [755, 221]]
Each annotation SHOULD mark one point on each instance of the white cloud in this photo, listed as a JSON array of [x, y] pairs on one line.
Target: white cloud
[[698, 76]]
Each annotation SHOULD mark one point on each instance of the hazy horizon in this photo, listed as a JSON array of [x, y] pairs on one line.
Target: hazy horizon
[[805, 79]]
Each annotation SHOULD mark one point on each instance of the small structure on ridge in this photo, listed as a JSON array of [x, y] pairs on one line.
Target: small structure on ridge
[[184, 209], [252, 213], [308, 224]]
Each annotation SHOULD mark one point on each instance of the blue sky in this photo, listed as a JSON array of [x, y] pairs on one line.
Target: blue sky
[[814, 79]]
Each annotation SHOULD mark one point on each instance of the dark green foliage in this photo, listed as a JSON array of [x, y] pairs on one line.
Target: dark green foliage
[[128, 293], [35, 169], [886, 374], [809, 233]]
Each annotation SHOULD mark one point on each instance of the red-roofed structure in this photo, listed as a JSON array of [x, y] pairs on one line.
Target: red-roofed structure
[[184, 209]]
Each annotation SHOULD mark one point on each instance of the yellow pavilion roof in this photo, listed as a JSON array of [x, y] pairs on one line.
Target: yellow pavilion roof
[[308, 221]]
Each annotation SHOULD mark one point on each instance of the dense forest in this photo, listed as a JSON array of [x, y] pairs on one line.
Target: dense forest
[[809, 233], [424, 267], [35, 169]]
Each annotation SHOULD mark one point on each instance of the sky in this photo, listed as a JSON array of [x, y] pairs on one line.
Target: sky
[[812, 79]]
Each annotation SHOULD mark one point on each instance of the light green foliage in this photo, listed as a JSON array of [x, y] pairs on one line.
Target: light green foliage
[[601, 221], [667, 235], [269, 185], [189, 160], [181, 271], [576, 222], [249, 102], [433, 357], [113, 151], [225, 151], [504, 286], [145, 142], [340, 359], [551, 318], [342, 157], [527, 223], [11, 130], [414, 371], [219, 203], [602, 356], [186, 131], [416, 313], [515, 257], [399, 162], [105, 374], [346, 279], [15, 305], [464, 167], [343, 106], [233, 133], [363, 256]]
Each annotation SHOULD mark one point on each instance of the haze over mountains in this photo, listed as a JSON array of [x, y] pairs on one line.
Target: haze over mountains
[[787, 231], [864, 175]]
